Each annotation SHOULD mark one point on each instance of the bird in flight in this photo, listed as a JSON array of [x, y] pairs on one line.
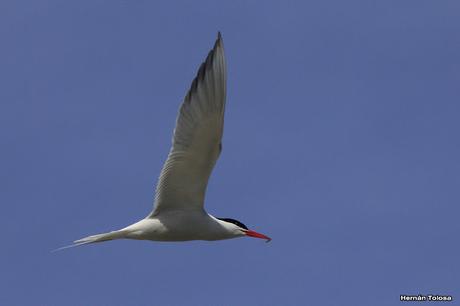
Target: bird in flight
[[178, 213]]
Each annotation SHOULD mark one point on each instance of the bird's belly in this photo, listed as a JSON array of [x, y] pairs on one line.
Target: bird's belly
[[178, 226]]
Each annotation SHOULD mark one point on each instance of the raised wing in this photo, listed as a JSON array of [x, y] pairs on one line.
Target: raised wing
[[197, 138]]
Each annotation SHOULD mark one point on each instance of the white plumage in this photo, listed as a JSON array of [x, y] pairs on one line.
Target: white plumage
[[178, 213]]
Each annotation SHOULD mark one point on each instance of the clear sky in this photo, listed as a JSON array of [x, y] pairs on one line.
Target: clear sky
[[341, 143]]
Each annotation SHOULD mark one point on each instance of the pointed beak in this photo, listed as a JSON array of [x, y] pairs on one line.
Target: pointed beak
[[257, 235]]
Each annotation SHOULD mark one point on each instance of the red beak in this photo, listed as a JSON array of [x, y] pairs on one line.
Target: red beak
[[257, 235]]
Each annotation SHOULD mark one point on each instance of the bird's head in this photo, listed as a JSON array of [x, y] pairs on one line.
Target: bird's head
[[242, 230]]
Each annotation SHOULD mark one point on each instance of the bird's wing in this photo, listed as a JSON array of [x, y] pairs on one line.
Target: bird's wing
[[196, 143]]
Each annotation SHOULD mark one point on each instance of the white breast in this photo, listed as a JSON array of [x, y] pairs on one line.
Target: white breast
[[182, 226]]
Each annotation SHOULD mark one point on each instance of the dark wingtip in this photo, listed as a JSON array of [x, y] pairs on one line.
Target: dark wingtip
[[219, 39], [202, 70]]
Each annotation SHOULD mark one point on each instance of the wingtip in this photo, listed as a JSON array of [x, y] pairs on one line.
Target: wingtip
[[217, 51], [219, 38]]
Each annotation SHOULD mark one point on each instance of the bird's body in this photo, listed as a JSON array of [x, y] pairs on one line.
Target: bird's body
[[176, 226], [178, 213]]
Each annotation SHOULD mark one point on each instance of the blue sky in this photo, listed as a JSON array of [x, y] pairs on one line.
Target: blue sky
[[341, 143]]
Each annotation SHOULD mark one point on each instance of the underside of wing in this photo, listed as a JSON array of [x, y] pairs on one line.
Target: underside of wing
[[197, 138]]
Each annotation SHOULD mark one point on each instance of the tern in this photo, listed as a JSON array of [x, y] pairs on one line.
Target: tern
[[178, 213]]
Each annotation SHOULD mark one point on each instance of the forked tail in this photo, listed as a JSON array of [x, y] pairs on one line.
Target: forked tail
[[95, 238]]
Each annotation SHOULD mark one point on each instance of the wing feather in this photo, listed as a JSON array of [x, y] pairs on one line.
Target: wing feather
[[197, 138]]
